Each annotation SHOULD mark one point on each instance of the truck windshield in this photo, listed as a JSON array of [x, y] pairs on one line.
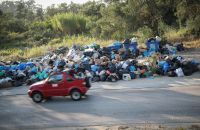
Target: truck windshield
[[55, 78]]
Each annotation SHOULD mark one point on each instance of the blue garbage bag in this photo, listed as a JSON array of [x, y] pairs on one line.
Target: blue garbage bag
[[132, 75], [34, 70], [133, 47], [166, 67], [61, 63], [126, 46], [110, 48], [112, 55], [76, 66], [30, 64], [21, 66], [117, 45], [152, 45], [86, 60], [161, 63], [2, 68], [146, 53], [123, 56], [132, 68], [13, 67], [94, 68]]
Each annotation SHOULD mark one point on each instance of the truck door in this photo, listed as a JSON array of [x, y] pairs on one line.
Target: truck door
[[55, 85]]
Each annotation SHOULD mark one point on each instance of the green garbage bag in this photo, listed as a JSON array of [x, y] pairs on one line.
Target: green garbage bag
[[44, 75], [148, 74], [39, 76], [2, 73], [95, 46]]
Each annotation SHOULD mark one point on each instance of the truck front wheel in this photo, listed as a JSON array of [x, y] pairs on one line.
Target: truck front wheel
[[37, 97]]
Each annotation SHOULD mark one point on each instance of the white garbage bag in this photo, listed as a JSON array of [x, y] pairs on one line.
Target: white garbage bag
[[179, 72]]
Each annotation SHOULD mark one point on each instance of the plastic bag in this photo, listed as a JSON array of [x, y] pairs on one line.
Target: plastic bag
[[179, 72]]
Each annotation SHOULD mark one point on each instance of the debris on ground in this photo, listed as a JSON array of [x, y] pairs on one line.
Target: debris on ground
[[119, 61]]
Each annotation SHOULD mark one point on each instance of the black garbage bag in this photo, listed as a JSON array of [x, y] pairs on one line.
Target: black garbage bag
[[121, 72], [103, 77], [179, 46], [112, 78], [112, 67], [88, 53], [105, 51], [126, 41], [51, 62], [159, 71], [86, 67], [187, 72], [171, 74], [96, 79], [189, 66]]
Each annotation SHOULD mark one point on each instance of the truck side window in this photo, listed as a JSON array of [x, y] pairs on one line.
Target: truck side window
[[55, 78], [69, 79]]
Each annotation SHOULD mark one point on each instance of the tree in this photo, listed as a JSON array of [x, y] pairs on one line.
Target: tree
[[63, 8], [74, 8], [39, 13], [21, 10], [51, 10]]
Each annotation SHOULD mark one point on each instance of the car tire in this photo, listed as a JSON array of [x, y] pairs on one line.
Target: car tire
[[37, 97], [76, 95]]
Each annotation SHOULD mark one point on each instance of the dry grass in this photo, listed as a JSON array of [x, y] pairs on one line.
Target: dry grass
[[26, 53], [192, 44], [180, 35]]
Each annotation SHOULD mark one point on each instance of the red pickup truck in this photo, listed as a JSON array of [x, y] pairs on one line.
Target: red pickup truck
[[59, 84]]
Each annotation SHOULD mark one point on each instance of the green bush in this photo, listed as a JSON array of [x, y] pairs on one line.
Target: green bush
[[193, 26], [40, 32], [144, 33], [69, 23]]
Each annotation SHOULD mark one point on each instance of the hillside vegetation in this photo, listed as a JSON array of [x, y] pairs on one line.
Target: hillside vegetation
[[27, 30]]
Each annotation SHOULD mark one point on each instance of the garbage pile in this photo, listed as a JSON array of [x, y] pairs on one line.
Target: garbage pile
[[118, 61]]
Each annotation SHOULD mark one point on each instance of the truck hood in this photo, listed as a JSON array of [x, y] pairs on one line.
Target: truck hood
[[40, 83]]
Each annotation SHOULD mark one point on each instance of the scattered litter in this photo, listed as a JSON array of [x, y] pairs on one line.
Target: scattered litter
[[119, 61]]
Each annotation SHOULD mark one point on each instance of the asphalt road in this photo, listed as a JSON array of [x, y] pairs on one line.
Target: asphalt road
[[154, 100]]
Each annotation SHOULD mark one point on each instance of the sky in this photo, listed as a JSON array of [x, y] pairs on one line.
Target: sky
[[46, 3]]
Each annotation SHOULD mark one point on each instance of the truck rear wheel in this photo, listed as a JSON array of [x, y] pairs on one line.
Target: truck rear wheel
[[76, 95]]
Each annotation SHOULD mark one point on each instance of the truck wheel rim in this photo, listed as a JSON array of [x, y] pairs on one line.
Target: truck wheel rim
[[76, 95], [37, 97]]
